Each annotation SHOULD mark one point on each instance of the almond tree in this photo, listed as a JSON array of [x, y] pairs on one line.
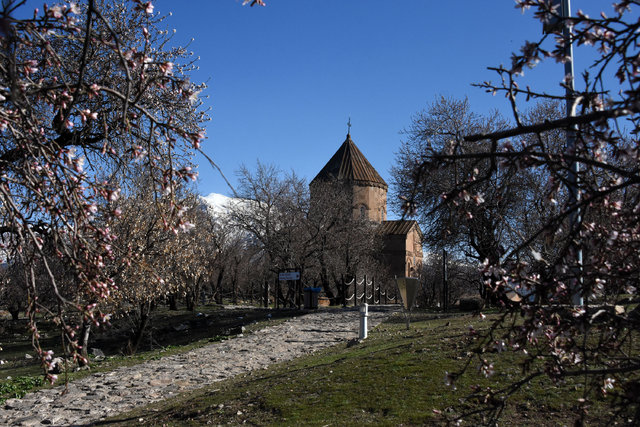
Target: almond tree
[[191, 255], [139, 259], [574, 322], [13, 290], [86, 89]]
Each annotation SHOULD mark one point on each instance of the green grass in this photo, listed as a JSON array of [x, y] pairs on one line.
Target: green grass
[[394, 377], [19, 386]]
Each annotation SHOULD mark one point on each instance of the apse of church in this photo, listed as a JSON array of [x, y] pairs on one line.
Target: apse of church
[[368, 197]]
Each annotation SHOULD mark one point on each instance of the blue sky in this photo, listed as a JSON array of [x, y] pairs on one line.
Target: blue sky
[[285, 78]]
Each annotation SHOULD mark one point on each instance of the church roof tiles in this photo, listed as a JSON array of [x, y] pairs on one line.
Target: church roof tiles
[[349, 164], [399, 227]]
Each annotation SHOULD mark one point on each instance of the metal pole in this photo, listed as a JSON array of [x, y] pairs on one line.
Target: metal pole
[[355, 291], [364, 293], [573, 181], [445, 283], [364, 313]]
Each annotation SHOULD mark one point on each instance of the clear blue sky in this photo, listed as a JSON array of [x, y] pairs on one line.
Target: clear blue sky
[[285, 78]]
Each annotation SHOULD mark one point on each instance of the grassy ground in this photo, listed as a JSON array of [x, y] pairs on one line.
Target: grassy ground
[[20, 374], [395, 377]]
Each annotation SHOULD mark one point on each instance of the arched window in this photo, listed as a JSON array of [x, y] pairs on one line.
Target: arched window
[[363, 212]]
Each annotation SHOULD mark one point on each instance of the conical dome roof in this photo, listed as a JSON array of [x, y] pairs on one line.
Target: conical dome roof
[[349, 164]]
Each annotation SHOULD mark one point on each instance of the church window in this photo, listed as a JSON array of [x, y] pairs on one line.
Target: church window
[[363, 212]]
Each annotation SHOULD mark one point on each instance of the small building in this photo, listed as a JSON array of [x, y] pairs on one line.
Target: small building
[[402, 248]]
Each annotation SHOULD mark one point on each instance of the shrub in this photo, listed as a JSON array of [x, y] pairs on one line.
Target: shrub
[[471, 304]]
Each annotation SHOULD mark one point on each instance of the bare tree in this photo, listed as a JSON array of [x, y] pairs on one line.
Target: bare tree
[[463, 280], [344, 247], [318, 237], [230, 260], [273, 212], [481, 230]]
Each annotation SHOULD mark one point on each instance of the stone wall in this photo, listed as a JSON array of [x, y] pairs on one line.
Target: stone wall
[[370, 202]]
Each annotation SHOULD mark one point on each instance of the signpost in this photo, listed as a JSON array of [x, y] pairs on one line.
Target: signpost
[[408, 288], [290, 276]]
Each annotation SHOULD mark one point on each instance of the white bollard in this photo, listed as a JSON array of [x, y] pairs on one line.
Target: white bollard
[[364, 313]]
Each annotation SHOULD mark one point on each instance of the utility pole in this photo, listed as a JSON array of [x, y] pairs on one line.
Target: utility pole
[[575, 218]]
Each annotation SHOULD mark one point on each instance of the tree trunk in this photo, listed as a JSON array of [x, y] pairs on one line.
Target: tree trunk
[[173, 305], [84, 342], [138, 334], [329, 293], [433, 294], [266, 293], [234, 297], [218, 290], [190, 300]]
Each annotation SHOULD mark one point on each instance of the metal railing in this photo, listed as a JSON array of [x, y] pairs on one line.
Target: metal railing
[[370, 293]]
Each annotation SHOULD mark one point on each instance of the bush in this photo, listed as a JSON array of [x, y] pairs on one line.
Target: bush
[[471, 304]]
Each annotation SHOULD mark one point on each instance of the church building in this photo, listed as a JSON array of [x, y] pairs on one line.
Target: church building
[[402, 249]]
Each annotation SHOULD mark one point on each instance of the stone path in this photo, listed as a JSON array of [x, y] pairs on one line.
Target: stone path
[[104, 394]]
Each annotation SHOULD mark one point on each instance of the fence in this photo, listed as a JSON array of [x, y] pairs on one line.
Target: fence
[[371, 294]]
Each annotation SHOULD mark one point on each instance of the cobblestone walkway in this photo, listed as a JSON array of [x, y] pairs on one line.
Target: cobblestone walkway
[[104, 394]]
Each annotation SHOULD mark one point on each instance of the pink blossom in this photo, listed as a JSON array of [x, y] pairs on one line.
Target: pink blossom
[[486, 368], [73, 8], [166, 68], [55, 12]]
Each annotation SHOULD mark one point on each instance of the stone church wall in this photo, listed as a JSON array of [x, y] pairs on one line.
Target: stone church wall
[[403, 254], [370, 202]]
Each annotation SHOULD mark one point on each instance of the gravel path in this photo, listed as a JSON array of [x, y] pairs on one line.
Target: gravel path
[[104, 394]]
